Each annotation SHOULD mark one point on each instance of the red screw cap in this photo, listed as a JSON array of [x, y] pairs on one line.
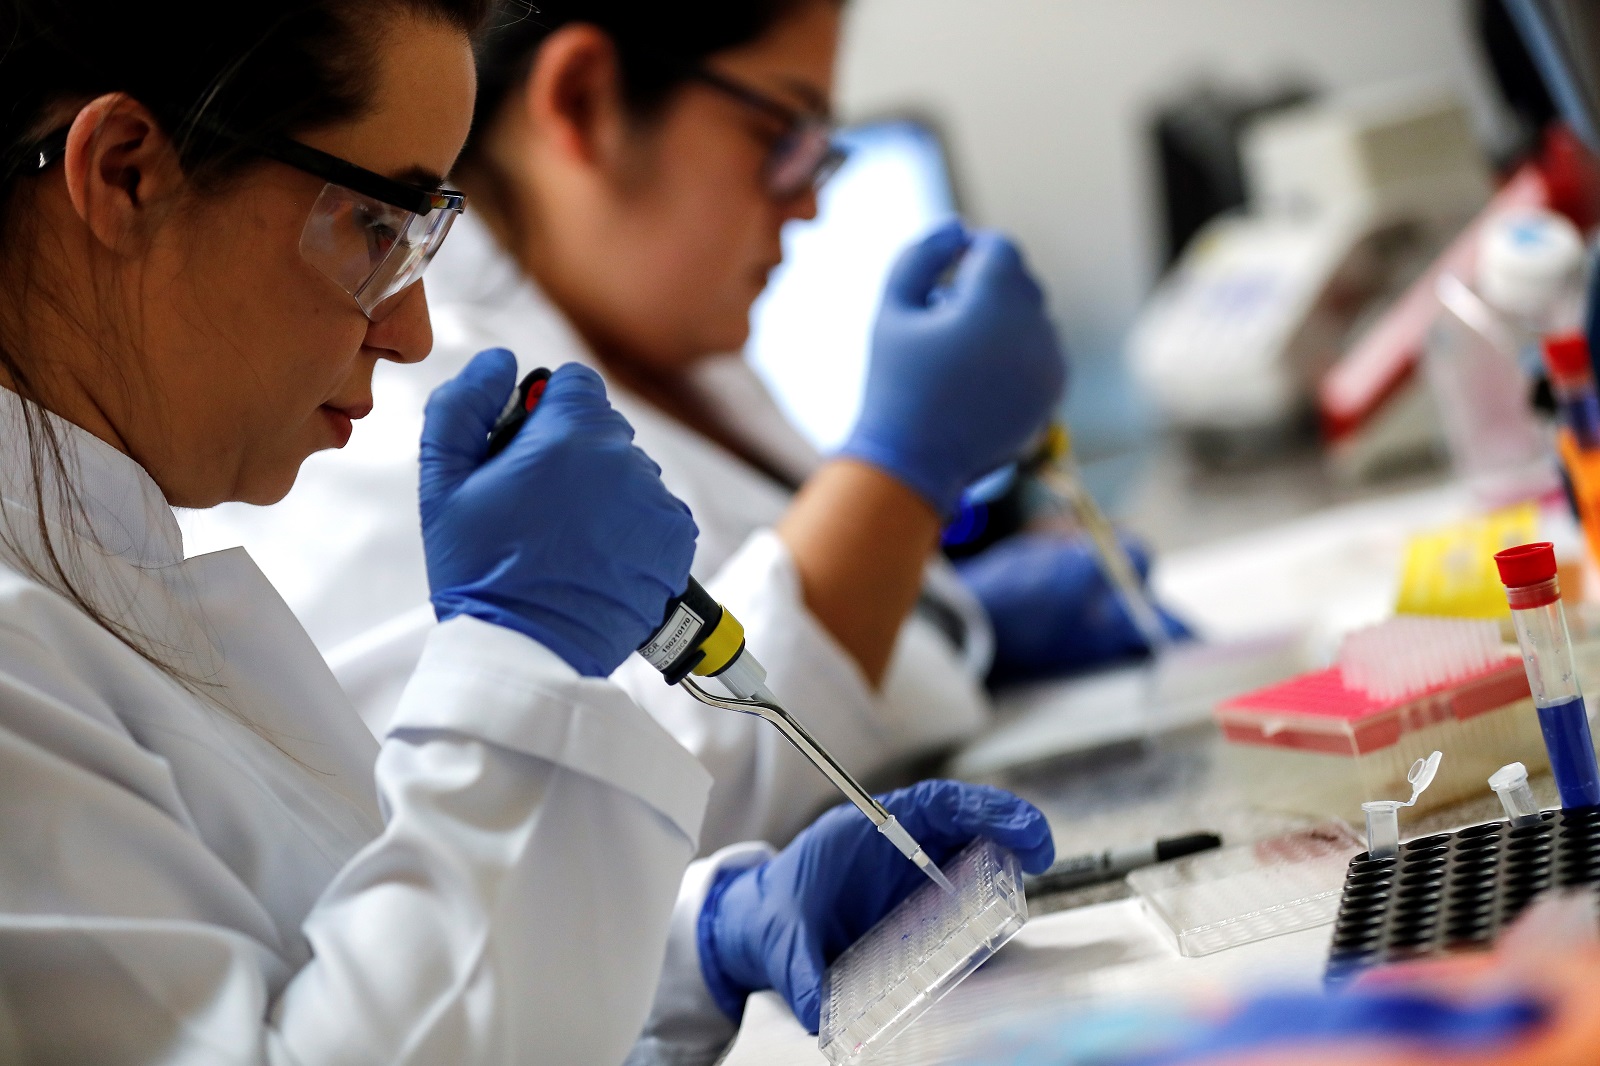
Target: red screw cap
[[1567, 356], [1526, 564]]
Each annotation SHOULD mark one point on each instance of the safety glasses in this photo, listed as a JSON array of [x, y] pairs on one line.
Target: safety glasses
[[805, 157], [371, 235]]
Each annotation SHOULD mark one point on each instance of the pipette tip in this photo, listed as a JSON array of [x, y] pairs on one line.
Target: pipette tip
[[933, 871], [907, 845]]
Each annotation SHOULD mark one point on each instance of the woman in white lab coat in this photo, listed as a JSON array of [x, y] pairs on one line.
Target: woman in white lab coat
[[631, 167], [211, 239]]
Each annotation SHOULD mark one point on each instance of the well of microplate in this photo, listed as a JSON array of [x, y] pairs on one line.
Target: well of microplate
[[919, 952]]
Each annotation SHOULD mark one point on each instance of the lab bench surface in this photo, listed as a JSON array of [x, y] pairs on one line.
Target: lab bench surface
[[1060, 963], [1269, 567], [1082, 950]]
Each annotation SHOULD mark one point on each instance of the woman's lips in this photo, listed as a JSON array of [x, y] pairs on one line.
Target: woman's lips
[[342, 420]]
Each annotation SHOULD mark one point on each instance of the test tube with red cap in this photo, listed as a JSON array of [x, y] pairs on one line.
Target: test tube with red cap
[[1534, 592], [1572, 380]]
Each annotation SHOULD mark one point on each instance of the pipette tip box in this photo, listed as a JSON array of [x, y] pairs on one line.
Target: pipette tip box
[[919, 952], [1312, 745]]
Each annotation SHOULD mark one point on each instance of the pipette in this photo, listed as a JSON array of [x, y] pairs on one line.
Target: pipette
[[1056, 469], [698, 637]]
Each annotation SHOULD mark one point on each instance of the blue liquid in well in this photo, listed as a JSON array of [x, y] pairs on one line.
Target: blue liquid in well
[[1571, 747]]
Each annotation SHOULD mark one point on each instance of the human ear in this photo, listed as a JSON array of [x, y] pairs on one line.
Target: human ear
[[573, 96], [121, 170]]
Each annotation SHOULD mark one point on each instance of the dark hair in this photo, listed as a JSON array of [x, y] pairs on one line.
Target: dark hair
[[657, 43], [251, 67]]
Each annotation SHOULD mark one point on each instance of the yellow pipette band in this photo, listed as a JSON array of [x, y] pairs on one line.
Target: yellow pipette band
[[721, 646]]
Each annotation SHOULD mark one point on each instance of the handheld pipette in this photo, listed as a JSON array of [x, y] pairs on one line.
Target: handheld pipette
[[1056, 469], [698, 637]]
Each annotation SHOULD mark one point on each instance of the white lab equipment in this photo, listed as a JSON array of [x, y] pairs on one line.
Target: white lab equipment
[[360, 587], [235, 869], [1342, 195], [1485, 341], [1404, 151]]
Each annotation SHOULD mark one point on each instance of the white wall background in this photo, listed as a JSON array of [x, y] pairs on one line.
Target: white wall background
[[1045, 102]]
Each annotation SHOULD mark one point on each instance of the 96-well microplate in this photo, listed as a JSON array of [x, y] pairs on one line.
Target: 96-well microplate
[[919, 952]]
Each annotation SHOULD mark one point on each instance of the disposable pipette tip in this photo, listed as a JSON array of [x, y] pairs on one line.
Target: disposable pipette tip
[[909, 847], [928, 867]]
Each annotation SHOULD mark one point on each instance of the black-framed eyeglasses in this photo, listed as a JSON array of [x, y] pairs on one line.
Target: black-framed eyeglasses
[[805, 157], [372, 236]]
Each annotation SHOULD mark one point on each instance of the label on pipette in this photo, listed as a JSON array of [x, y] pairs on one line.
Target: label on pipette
[[673, 638]]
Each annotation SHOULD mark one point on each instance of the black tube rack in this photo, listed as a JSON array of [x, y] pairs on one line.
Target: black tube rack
[[1456, 891]]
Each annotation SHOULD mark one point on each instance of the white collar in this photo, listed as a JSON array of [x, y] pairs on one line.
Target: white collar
[[123, 509]]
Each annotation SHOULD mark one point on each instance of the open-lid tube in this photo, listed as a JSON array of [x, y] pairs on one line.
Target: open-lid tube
[[1383, 816]]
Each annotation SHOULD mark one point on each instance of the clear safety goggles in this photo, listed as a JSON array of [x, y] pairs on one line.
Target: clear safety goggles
[[370, 235], [804, 157]]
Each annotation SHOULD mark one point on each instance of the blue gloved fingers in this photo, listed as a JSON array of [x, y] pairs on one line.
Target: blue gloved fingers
[[948, 814], [1298, 1022], [994, 263], [801, 985], [1176, 627], [459, 415], [1138, 553], [784, 955], [777, 925], [568, 536], [918, 269]]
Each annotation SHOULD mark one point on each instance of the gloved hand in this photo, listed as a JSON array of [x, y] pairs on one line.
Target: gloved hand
[[961, 378], [568, 535], [1051, 607], [778, 925], [1361, 1026]]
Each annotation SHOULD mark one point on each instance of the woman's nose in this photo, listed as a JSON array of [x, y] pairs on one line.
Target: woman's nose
[[802, 207], [403, 333]]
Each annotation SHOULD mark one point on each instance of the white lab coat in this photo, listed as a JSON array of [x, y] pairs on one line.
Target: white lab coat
[[345, 550], [234, 871]]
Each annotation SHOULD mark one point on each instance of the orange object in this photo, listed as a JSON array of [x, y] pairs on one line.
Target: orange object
[[1583, 474], [1567, 984]]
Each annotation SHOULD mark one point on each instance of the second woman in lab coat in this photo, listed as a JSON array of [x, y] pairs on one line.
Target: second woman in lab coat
[[634, 164], [211, 239]]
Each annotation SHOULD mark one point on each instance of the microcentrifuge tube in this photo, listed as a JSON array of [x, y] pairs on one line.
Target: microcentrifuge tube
[[1383, 828], [1510, 783]]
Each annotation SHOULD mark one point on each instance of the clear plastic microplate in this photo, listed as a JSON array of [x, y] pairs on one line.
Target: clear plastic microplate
[[1243, 894], [919, 952]]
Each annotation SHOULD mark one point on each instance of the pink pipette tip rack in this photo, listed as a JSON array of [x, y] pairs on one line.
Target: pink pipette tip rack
[[1327, 741]]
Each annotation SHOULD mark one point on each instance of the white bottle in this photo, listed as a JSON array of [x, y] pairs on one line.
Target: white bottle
[[1483, 348]]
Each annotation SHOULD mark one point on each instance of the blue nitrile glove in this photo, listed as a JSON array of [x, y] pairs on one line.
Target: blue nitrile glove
[[961, 378], [780, 924], [1306, 1023], [1051, 607], [1280, 1028], [568, 535]]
